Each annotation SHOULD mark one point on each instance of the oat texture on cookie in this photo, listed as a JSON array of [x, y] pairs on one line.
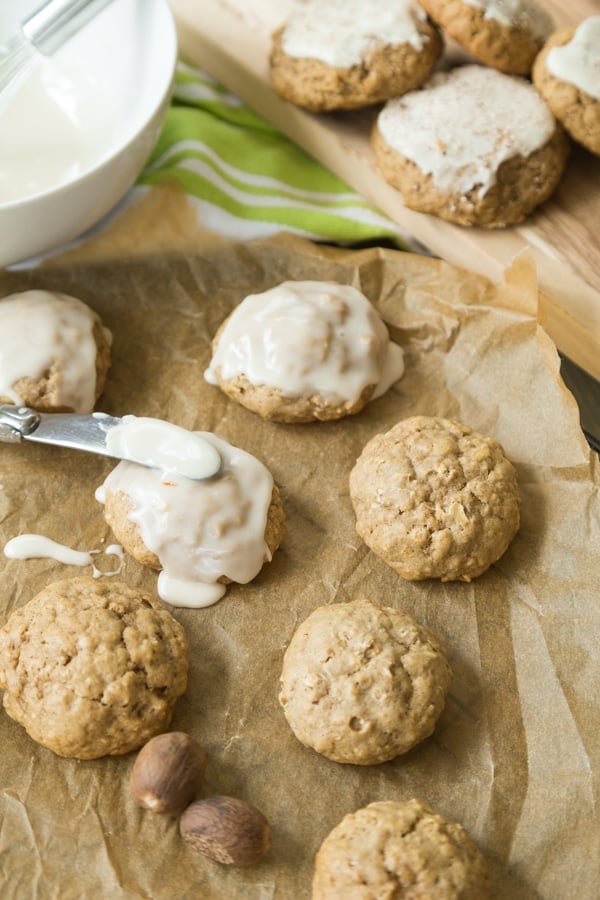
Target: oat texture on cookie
[[363, 683], [403, 849], [435, 499], [92, 667]]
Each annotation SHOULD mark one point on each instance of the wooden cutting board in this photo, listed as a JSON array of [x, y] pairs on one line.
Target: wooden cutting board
[[230, 39]]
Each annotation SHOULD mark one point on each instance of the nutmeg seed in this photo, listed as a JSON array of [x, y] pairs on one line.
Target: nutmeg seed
[[227, 830], [167, 772]]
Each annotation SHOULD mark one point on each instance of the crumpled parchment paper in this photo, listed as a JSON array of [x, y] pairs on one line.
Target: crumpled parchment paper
[[515, 755]]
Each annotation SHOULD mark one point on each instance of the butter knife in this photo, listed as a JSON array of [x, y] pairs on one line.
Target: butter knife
[[149, 442]]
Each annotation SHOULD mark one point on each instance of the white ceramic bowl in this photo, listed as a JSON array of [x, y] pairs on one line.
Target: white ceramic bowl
[[113, 83]]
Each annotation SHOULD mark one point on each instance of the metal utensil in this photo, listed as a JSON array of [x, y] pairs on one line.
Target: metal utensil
[[90, 432], [44, 31]]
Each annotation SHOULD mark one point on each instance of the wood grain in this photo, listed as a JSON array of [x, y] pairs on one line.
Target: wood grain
[[231, 39]]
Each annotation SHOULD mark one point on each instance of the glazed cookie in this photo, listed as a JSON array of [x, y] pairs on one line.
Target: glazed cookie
[[402, 850], [474, 146], [345, 54], [200, 534], [304, 351], [92, 668], [362, 683], [567, 75], [435, 499], [503, 34], [54, 352]]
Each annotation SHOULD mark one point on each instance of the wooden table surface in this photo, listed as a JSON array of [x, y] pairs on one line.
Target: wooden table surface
[[230, 39]]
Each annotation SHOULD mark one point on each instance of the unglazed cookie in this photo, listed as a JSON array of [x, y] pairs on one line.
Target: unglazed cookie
[[504, 34], [304, 351], [473, 146], [54, 352], [345, 54], [567, 75], [362, 683], [397, 849], [435, 499], [92, 668], [200, 534]]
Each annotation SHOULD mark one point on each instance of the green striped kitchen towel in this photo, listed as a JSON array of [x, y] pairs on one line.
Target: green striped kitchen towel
[[246, 179]]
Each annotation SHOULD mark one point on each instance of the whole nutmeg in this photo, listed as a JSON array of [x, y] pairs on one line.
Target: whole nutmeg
[[167, 772], [227, 830]]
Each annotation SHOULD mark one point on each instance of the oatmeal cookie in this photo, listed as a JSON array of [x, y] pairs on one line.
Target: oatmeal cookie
[[344, 54], [567, 75], [402, 850], [363, 684], [473, 146], [54, 352], [92, 668], [202, 534], [503, 34], [435, 499], [304, 351], [120, 509]]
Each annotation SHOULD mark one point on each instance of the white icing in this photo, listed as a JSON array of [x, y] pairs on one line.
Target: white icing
[[53, 122], [115, 550], [200, 530], [578, 62], [157, 443], [111, 550], [40, 330], [527, 14], [194, 594], [307, 338], [464, 123], [342, 33], [36, 546], [391, 370]]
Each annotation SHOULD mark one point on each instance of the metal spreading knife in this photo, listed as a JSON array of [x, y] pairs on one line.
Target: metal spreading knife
[[149, 442]]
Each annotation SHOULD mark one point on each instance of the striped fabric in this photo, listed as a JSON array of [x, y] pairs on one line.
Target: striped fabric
[[248, 180]]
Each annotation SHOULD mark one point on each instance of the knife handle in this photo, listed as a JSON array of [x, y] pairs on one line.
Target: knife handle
[[17, 422]]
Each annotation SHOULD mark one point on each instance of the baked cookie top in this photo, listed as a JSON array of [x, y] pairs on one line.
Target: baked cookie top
[[435, 499], [199, 533], [525, 14], [344, 33], [577, 59], [463, 124], [401, 849], [344, 54], [504, 34], [54, 352], [304, 350], [362, 683], [92, 667], [567, 75]]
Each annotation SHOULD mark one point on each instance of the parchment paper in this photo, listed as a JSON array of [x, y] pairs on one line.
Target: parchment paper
[[515, 754]]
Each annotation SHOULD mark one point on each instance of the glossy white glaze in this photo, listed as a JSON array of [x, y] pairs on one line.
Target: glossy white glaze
[[41, 330], [200, 530], [306, 338]]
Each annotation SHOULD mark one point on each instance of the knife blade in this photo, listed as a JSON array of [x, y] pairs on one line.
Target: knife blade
[[150, 442]]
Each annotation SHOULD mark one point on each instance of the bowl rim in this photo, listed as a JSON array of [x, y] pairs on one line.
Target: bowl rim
[[169, 29]]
